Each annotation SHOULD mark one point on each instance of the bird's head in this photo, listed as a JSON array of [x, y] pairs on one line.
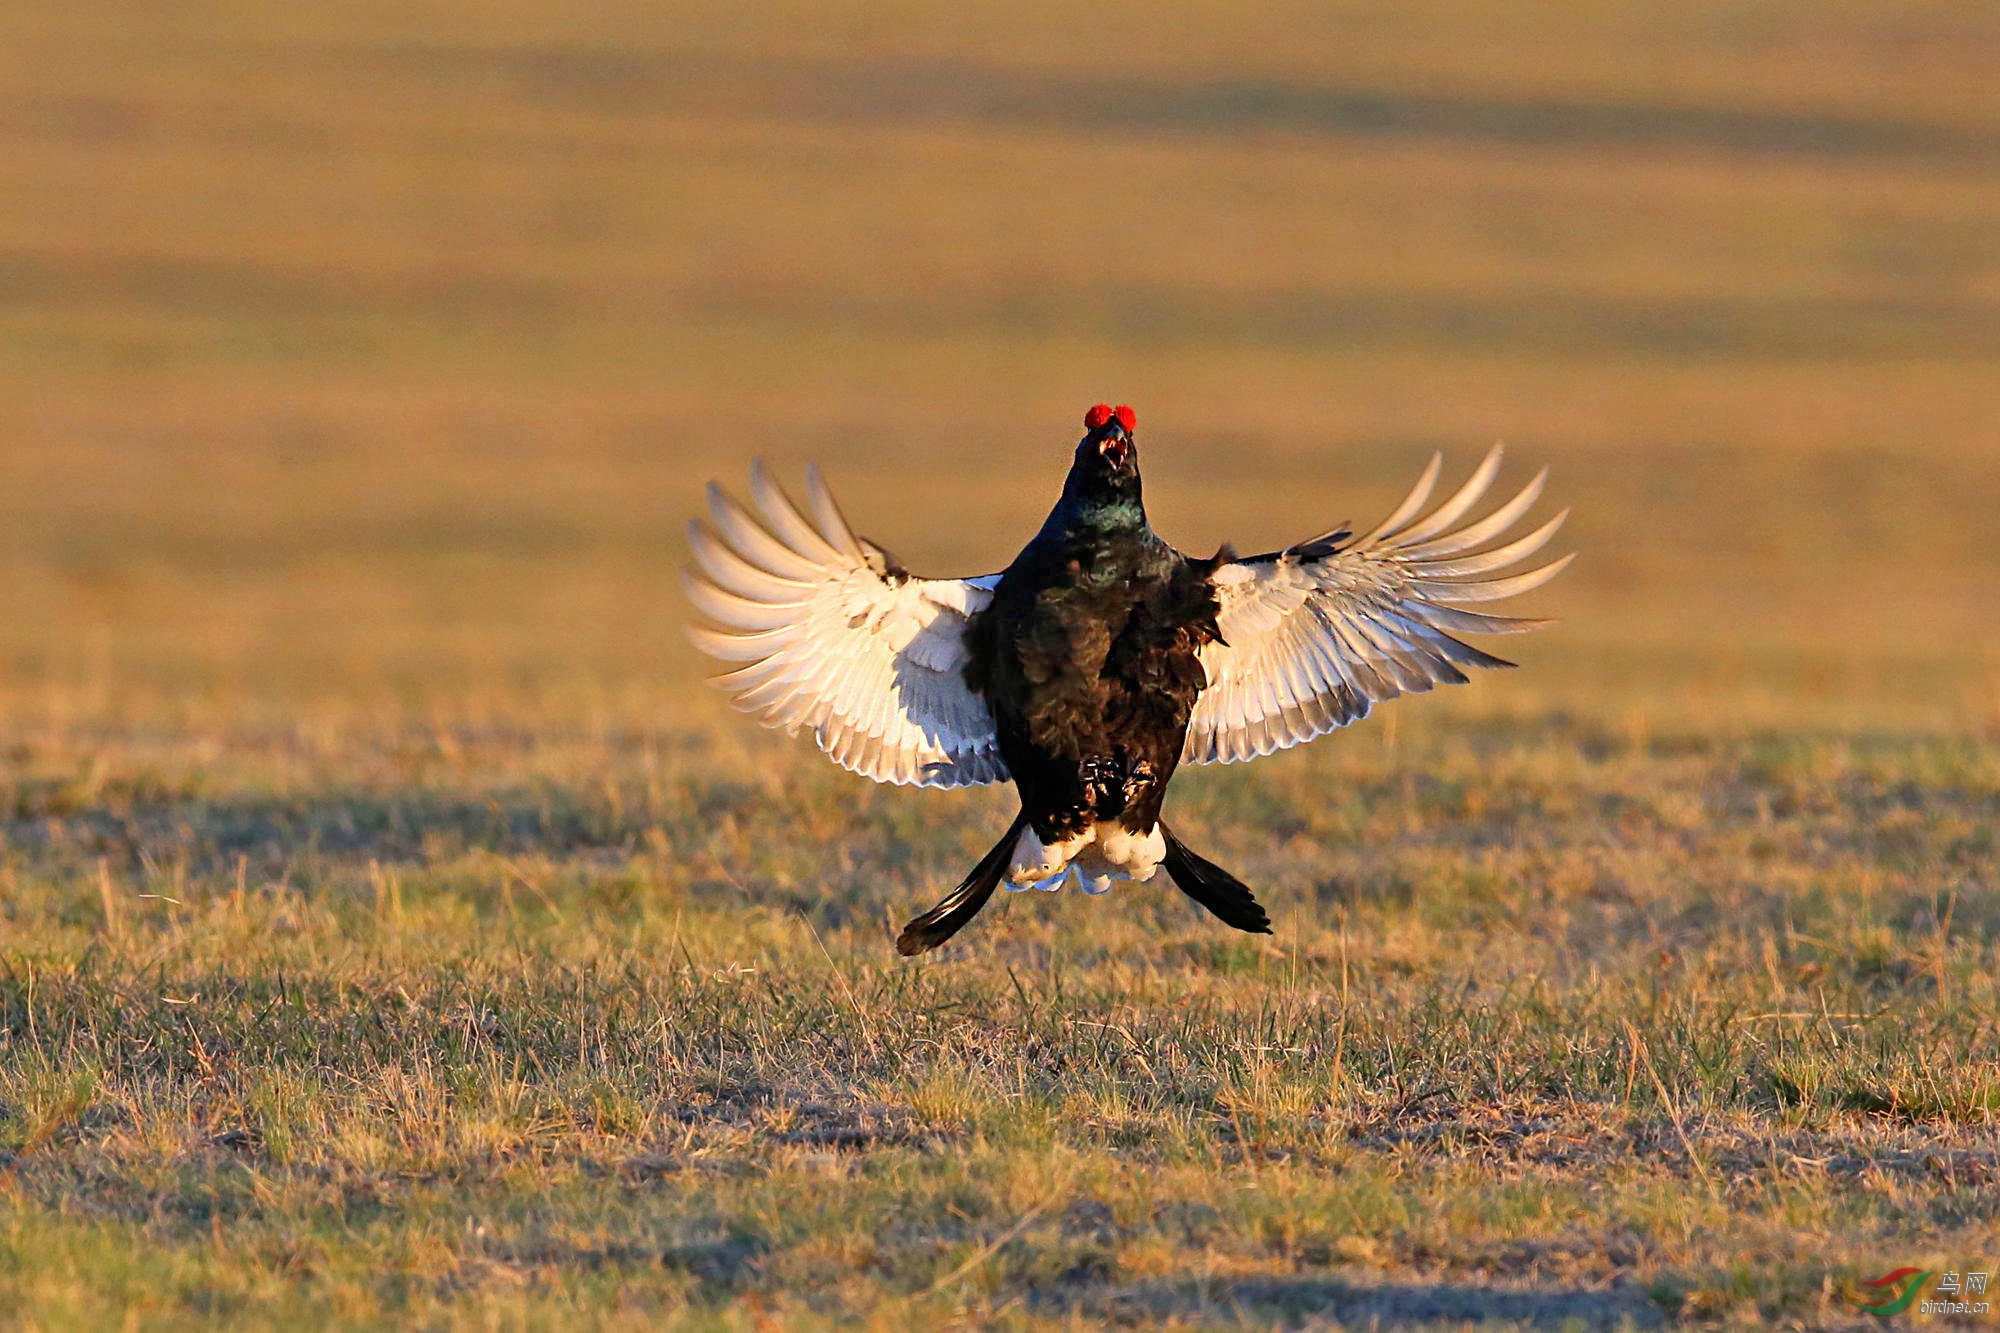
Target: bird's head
[[1107, 454], [1101, 493]]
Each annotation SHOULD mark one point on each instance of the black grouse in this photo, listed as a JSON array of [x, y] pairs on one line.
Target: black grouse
[[1099, 660]]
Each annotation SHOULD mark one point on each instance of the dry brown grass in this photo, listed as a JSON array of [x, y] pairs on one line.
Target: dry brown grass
[[358, 366]]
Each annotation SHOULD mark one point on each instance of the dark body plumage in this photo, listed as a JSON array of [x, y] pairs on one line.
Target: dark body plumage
[[1087, 656]]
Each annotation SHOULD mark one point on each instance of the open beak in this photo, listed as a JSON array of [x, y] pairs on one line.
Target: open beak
[[1116, 447]]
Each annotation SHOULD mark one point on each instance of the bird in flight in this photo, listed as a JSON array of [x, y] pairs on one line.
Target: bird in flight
[[1100, 660]]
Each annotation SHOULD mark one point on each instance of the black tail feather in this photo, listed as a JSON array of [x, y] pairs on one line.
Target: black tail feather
[[1213, 887], [934, 927]]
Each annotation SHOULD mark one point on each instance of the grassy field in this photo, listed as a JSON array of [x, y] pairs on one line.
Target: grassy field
[[394, 932]]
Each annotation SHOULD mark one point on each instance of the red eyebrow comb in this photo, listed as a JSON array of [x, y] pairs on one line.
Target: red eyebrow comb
[[1097, 418]]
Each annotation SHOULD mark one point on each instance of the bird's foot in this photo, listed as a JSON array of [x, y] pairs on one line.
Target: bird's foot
[[1094, 874], [1133, 855], [1094, 884], [1053, 884], [1035, 861]]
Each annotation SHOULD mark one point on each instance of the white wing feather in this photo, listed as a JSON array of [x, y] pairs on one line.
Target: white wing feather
[[839, 643], [1318, 634]]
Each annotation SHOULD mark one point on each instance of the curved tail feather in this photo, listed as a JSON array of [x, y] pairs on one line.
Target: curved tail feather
[[1213, 887], [958, 907]]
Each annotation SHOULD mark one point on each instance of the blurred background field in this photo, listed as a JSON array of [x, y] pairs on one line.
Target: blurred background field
[[373, 355], [393, 929]]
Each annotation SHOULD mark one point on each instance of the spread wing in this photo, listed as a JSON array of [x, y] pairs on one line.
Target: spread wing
[[840, 640], [1315, 635]]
